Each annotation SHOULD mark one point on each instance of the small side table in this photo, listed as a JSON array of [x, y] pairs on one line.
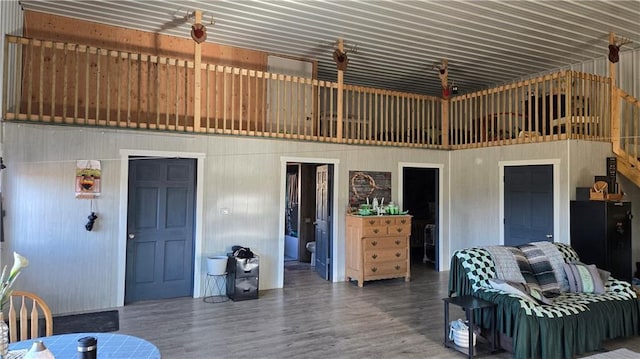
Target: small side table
[[215, 282], [470, 305]]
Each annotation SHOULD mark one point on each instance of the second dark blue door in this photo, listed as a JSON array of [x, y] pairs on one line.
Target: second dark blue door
[[528, 204]]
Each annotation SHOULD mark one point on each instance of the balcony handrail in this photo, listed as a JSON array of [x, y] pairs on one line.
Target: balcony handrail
[[560, 105], [64, 83]]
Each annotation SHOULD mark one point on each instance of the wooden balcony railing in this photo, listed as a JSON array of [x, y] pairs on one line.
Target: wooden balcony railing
[[561, 105], [62, 83]]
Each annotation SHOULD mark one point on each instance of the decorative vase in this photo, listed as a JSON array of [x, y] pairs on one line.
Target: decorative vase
[[4, 337], [38, 351]]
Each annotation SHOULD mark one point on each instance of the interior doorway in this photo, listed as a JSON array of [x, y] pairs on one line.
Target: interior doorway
[[160, 228], [420, 193], [198, 231], [308, 214], [549, 180], [528, 204]]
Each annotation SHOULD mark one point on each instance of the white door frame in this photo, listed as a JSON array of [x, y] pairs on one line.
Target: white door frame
[[125, 154], [555, 162], [334, 213], [442, 239]]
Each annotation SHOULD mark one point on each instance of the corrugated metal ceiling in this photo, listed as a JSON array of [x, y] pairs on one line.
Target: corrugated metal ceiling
[[485, 42]]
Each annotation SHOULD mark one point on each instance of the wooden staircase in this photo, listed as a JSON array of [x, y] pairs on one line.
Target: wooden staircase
[[628, 169], [625, 134]]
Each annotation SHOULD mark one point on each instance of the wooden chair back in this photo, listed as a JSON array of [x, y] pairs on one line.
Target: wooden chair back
[[28, 308]]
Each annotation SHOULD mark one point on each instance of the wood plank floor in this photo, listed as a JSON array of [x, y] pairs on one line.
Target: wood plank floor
[[309, 318]]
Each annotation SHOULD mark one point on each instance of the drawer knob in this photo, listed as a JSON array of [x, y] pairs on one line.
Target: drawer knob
[[374, 269], [374, 243], [397, 241], [397, 267], [398, 254], [399, 230], [388, 221], [371, 221], [376, 230], [374, 256], [403, 221]]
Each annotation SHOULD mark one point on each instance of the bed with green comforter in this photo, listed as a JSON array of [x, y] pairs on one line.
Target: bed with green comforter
[[574, 323]]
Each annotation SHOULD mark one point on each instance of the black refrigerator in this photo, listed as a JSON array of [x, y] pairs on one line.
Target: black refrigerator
[[601, 235]]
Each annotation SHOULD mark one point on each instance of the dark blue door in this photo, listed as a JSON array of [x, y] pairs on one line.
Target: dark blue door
[[528, 204], [161, 205], [323, 221]]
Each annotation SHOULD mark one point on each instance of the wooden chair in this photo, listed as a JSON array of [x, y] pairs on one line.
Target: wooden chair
[[31, 308]]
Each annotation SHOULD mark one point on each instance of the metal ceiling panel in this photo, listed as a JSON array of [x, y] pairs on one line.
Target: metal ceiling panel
[[485, 42]]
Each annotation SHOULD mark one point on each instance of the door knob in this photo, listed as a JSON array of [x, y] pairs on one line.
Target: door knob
[[131, 236]]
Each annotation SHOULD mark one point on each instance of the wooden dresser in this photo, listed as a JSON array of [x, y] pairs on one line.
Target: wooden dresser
[[377, 247]]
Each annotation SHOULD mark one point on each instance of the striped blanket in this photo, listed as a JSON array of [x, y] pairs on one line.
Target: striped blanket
[[538, 264]]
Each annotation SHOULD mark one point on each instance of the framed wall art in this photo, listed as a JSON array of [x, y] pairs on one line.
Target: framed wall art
[[365, 185]]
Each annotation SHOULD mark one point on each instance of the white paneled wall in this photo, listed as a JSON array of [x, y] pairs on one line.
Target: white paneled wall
[[76, 270], [475, 185]]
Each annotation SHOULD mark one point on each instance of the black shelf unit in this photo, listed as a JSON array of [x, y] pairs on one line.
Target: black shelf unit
[[601, 235], [472, 306]]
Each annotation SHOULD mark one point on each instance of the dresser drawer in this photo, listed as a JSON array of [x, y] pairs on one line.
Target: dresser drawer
[[399, 230], [371, 221], [393, 221], [388, 221], [385, 255], [384, 268], [383, 243], [374, 231]]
